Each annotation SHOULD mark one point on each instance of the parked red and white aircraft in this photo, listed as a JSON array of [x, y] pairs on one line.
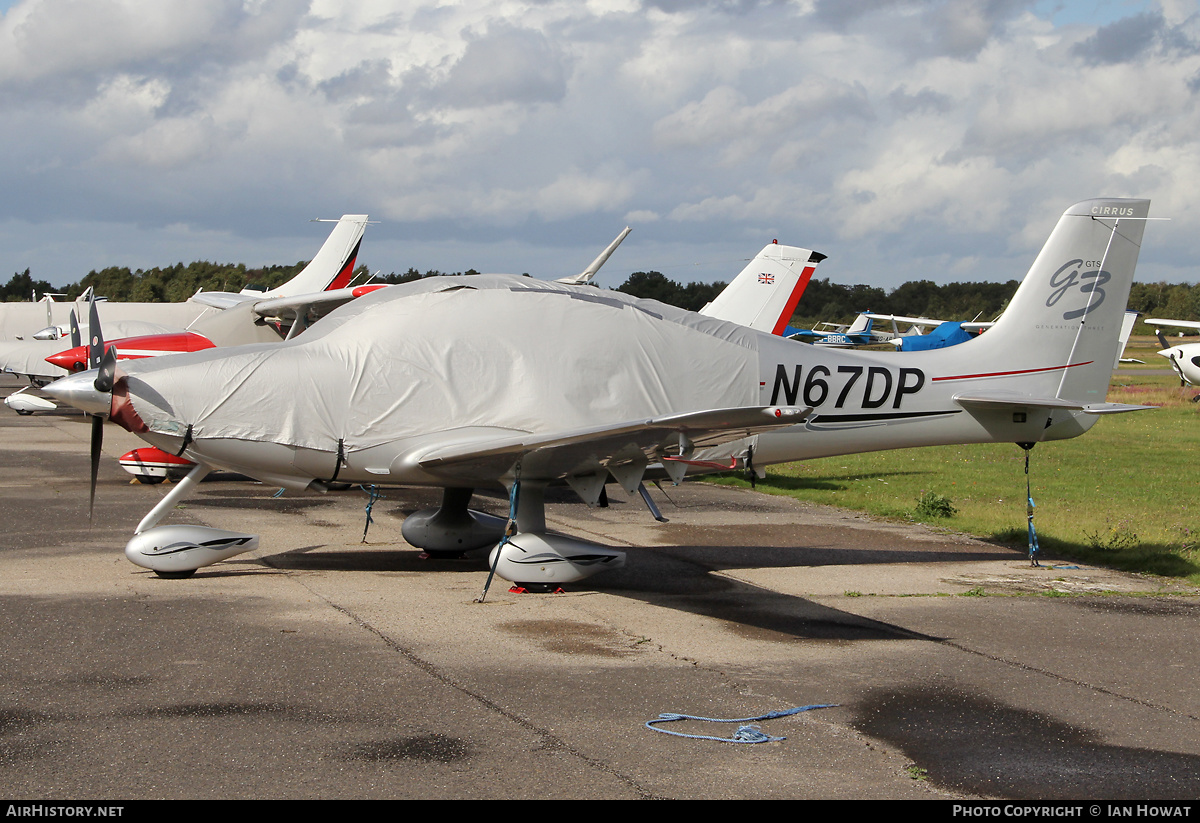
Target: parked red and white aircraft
[[505, 382], [214, 318], [151, 465]]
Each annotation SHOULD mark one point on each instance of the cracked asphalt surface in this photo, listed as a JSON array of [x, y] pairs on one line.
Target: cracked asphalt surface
[[322, 667]]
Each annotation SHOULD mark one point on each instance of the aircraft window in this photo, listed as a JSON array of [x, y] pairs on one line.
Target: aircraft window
[[1196, 361]]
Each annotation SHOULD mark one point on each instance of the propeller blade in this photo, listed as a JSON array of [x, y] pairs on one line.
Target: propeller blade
[[76, 337], [96, 338], [108, 371], [97, 443]]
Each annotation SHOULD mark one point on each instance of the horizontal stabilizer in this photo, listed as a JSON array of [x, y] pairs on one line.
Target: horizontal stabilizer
[[1014, 400], [1017, 400], [1114, 408]]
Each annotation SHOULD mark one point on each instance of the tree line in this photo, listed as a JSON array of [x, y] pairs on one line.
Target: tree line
[[828, 302], [823, 301], [174, 284]]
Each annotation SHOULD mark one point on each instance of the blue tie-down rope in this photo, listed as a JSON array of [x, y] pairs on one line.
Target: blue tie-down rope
[[1033, 540], [745, 734], [372, 495]]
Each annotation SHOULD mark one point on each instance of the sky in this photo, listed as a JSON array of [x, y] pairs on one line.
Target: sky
[[905, 139]]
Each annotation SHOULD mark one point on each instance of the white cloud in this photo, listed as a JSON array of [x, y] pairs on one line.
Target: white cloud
[[933, 126]]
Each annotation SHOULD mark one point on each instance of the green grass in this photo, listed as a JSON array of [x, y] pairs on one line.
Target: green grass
[[1122, 495]]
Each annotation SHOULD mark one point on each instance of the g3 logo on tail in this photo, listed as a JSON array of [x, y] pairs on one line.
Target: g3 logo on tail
[[1068, 275]]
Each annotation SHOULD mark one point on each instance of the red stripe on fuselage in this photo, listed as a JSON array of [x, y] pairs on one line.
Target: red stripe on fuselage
[[1009, 373]]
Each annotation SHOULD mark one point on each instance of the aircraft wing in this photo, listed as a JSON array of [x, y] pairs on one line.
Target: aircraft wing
[[584, 278], [1182, 324], [623, 449], [910, 321], [274, 306], [319, 303], [221, 299], [297, 311]]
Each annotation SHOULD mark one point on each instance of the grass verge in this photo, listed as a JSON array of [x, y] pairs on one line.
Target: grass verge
[[1120, 496]]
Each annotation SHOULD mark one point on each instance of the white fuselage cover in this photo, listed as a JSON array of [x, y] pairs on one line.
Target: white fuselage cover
[[448, 361]]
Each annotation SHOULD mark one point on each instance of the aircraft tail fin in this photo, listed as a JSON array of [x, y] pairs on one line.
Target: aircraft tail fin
[[764, 295], [333, 265], [1126, 332], [1063, 325], [861, 325]]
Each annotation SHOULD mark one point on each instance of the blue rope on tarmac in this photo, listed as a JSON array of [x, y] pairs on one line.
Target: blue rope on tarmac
[[745, 734]]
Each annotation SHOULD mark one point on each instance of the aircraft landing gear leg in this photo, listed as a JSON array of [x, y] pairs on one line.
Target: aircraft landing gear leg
[[172, 498]]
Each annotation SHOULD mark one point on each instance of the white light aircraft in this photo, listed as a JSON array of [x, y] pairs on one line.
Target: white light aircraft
[[507, 382], [1184, 358]]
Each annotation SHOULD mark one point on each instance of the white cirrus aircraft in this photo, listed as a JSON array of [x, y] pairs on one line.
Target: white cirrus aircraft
[[507, 382], [1184, 358]]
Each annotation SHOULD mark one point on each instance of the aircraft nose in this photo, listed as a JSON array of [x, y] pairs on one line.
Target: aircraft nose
[[79, 390], [72, 360]]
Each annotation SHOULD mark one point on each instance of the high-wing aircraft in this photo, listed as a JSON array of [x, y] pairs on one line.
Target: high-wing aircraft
[[950, 333], [940, 334], [1184, 358], [939, 337], [864, 332], [506, 382], [212, 318], [839, 335]]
